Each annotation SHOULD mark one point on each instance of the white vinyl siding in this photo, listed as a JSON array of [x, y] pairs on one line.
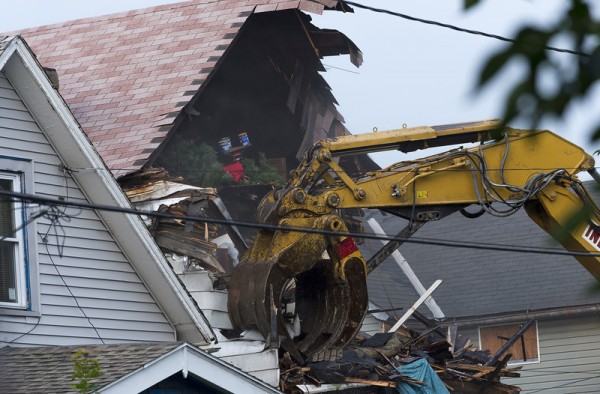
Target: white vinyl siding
[[371, 325], [87, 287], [569, 358]]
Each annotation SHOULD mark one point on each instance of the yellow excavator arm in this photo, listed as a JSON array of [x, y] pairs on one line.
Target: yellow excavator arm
[[323, 273]]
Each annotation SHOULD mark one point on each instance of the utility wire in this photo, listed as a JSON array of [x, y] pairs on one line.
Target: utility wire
[[460, 29], [569, 383], [466, 245], [407, 162], [45, 241], [341, 69]]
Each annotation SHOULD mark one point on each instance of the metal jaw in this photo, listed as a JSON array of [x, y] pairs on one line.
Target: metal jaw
[[325, 292]]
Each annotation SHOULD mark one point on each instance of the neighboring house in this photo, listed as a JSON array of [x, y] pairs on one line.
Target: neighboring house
[[79, 277], [490, 294]]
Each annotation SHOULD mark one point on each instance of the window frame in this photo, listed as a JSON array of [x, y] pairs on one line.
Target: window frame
[[21, 172], [18, 244], [519, 361]]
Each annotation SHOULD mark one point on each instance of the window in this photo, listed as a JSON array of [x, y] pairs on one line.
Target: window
[[19, 287], [12, 248], [525, 350]]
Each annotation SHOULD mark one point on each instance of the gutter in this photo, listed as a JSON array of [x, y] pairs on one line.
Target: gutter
[[519, 317]]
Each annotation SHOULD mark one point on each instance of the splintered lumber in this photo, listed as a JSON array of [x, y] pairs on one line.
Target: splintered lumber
[[483, 370], [380, 383], [454, 372], [495, 373]]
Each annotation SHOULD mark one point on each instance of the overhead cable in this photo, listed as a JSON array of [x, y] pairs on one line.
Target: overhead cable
[[423, 241], [460, 29]]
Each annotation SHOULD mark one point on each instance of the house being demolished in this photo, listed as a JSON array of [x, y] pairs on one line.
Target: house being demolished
[[203, 255], [191, 106]]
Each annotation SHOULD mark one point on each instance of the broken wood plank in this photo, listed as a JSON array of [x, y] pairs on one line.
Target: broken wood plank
[[508, 372], [379, 383], [495, 373], [453, 372], [413, 308]]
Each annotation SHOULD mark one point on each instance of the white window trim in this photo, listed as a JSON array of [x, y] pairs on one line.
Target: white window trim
[[516, 362], [29, 291], [19, 241]]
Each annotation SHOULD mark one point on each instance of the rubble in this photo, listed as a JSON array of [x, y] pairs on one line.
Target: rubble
[[379, 362]]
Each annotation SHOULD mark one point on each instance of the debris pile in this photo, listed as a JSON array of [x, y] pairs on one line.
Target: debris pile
[[155, 190], [401, 361]]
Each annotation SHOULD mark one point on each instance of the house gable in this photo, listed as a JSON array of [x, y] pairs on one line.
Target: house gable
[[125, 368], [129, 87], [100, 276]]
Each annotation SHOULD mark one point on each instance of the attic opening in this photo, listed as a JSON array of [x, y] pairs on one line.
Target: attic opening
[[268, 86]]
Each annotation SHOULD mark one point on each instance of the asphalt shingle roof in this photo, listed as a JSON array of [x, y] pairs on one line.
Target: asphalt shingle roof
[[49, 369], [481, 282], [126, 76]]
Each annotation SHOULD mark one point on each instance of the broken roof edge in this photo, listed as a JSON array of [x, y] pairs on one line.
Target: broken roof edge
[[521, 316], [99, 186], [173, 120]]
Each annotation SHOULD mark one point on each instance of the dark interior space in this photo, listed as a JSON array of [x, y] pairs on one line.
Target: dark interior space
[[251, 91]]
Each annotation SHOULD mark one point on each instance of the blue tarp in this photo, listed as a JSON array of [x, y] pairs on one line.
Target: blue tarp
[[421, 370]]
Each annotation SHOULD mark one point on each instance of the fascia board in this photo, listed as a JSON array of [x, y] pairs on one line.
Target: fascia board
[[99, 186], [188, 360]]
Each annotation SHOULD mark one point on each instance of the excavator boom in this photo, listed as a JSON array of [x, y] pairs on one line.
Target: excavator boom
[[323, 275]]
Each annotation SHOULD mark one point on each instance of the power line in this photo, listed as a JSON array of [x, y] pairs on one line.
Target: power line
[[424, 241], [394, 170], [460, 29], [341, 69], [45, 241]]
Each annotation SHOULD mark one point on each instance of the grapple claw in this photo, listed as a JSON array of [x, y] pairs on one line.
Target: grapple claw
[[328, 291]]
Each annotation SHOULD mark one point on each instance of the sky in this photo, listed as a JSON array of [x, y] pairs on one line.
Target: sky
[[413, 74]]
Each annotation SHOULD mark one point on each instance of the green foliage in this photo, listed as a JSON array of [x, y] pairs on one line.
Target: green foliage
[[470, 3], [196, 162], [85, 368], [262, 173], [529, 98]]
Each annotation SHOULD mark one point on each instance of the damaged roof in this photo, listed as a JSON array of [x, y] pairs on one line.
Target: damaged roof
[[127, 76]]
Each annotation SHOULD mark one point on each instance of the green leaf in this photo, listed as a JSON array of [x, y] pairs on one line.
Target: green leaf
[[470, 3], [494, 65], [566, 231], [596, 135]]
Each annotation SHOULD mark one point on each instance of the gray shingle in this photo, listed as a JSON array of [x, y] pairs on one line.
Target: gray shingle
[[49, 369], [480, 282]]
